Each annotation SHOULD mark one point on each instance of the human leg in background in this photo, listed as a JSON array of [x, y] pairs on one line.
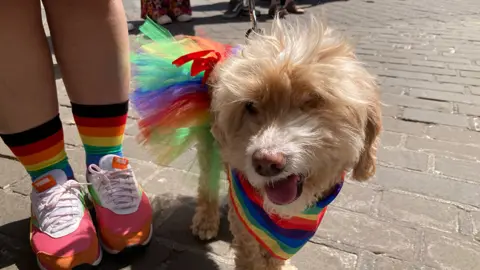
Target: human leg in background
[[286, 7], [91, 46], [291, 7], [237, 8], [156, 10], [273, 9], [62, 234]]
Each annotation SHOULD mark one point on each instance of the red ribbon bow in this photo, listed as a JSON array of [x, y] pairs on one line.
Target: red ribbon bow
[[200, 62]]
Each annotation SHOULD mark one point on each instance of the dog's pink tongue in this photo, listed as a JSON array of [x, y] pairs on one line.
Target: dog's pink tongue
[[283, 191]]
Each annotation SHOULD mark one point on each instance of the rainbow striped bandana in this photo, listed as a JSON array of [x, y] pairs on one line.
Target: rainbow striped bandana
[[282, 237]]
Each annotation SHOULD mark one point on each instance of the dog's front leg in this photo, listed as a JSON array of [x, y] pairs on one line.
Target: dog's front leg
[[206, 221], [249, 254]]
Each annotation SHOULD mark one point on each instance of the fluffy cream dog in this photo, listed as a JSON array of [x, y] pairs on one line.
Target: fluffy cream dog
[[293, 111]]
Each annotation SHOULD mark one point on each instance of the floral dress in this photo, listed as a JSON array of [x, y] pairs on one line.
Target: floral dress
[[157, 8]]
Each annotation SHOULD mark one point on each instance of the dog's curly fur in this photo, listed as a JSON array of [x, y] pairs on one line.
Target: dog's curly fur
[[299, 91]]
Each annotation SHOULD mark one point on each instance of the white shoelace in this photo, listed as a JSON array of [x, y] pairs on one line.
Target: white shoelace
[[117, 188], [57, 208]]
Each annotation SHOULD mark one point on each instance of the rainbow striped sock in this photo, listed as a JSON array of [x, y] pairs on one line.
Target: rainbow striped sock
[[101, 128], [40, 149]]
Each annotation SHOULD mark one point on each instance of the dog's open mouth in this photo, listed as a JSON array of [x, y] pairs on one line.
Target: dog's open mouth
[[286, 190]]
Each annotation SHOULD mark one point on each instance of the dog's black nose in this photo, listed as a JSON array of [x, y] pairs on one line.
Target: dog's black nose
[[268, 164]]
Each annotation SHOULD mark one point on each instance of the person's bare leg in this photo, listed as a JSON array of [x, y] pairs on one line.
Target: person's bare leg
[[90, 40], [62, 236], [27, 84], [28, 98]]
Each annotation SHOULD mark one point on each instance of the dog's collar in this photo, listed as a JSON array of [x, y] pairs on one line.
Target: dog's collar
[[321, 203], [282, 237]]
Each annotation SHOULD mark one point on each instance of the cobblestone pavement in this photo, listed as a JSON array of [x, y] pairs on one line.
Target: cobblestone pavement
[[422, 210]]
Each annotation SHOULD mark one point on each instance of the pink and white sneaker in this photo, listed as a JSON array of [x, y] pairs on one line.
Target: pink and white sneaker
[[62, 234], [123, 211]]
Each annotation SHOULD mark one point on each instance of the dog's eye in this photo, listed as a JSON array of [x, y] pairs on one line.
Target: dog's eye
[[309, 105], [312, 104], [250, 108]]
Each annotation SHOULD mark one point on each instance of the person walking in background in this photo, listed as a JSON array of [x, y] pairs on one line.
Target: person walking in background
[[92, 48], [163, 11], [237, 8]]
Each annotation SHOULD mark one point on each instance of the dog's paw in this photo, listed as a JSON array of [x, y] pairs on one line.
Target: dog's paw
[[206, 224]]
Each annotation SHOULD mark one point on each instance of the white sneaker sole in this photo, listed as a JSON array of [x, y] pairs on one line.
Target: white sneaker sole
[[165, 19], [95, 263], [184, 18], [113, 252]]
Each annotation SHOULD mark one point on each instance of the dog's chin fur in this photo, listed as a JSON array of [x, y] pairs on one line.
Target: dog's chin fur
[[312, 101], [299, 91]]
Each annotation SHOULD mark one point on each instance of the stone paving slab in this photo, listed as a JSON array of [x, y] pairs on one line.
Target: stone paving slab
[[422, 209]]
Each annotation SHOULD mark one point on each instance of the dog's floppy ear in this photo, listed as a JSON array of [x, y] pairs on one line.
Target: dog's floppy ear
[[218, 134], [366, 165]]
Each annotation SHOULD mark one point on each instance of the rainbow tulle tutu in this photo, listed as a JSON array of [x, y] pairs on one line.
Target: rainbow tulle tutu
[[171, 94]]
